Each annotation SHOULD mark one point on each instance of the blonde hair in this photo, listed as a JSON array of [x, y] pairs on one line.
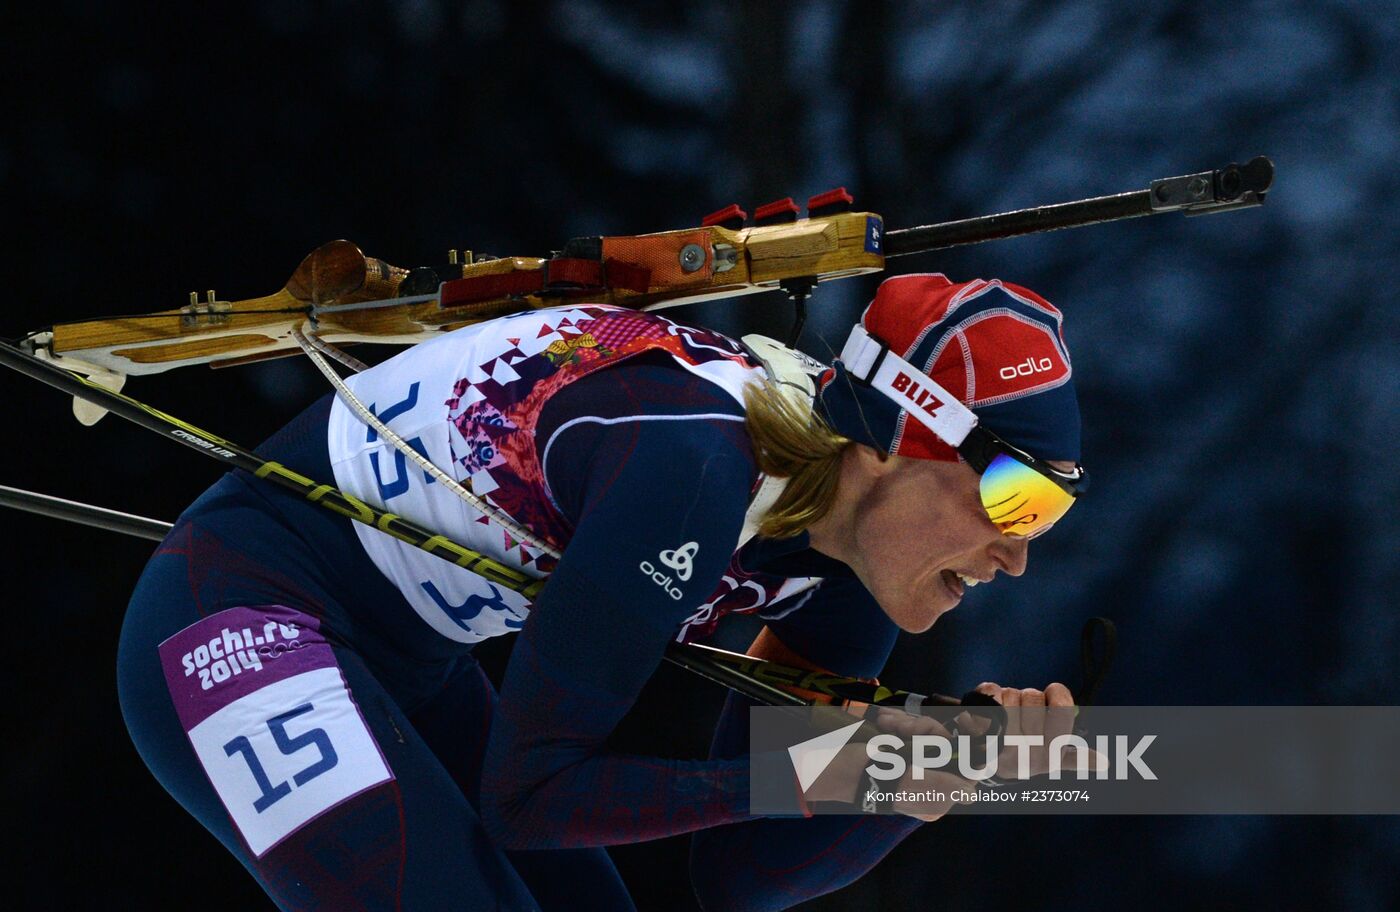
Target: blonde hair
[[791, 441]]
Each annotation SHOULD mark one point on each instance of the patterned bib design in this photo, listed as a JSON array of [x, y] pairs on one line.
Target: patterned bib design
[[470, 401]]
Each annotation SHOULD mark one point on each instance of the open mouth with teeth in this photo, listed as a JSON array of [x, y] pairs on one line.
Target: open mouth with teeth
[[957, 582]]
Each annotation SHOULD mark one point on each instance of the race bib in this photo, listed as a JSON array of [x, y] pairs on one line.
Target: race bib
[[262, 699]]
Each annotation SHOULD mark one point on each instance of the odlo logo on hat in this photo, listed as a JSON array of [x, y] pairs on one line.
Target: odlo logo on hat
[[996, 347], [1026, 368]]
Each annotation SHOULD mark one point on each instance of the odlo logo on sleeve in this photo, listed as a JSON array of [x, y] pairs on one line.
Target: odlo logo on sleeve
[[680, 560]]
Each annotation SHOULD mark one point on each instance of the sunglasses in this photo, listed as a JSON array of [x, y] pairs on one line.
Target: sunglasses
[[1023, 496]]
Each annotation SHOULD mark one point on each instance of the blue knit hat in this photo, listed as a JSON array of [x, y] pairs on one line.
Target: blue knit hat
[[997, 347]]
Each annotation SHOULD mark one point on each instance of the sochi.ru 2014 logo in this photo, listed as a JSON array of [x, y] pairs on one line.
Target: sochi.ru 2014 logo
[[678, 559], [232, 652]]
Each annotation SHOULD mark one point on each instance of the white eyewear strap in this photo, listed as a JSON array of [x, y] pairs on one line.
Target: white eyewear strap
[[870, 360]]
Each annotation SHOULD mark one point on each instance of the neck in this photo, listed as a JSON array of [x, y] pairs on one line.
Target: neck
[[833, 534]]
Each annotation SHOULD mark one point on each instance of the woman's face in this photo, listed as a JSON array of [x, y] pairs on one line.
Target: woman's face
[[914, 530]]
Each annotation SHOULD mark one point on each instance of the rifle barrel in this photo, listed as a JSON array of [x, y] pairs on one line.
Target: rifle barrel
[[1231, 187], [903, 241]]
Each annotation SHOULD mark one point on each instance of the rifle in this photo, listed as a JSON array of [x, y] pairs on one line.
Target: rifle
[[338, 295]]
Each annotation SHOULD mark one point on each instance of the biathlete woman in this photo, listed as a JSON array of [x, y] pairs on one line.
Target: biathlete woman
[[304, 685]]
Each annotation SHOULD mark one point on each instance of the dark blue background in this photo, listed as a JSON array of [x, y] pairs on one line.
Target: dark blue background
[[1237, 372]]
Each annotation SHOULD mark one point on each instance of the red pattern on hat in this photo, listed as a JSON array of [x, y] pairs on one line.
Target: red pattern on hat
[[982, 353]]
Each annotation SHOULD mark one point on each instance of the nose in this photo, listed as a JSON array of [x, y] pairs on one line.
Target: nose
[[1012, 554]]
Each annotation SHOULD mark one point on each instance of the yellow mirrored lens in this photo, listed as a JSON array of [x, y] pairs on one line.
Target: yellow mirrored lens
[[1020, 500]]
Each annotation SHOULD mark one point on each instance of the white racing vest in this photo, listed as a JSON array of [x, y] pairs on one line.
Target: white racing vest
[[469, 401]]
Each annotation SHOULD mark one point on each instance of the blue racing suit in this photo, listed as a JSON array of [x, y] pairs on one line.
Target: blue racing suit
[[322, 715]]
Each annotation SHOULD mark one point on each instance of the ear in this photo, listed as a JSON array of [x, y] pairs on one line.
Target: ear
[[870, 461]]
